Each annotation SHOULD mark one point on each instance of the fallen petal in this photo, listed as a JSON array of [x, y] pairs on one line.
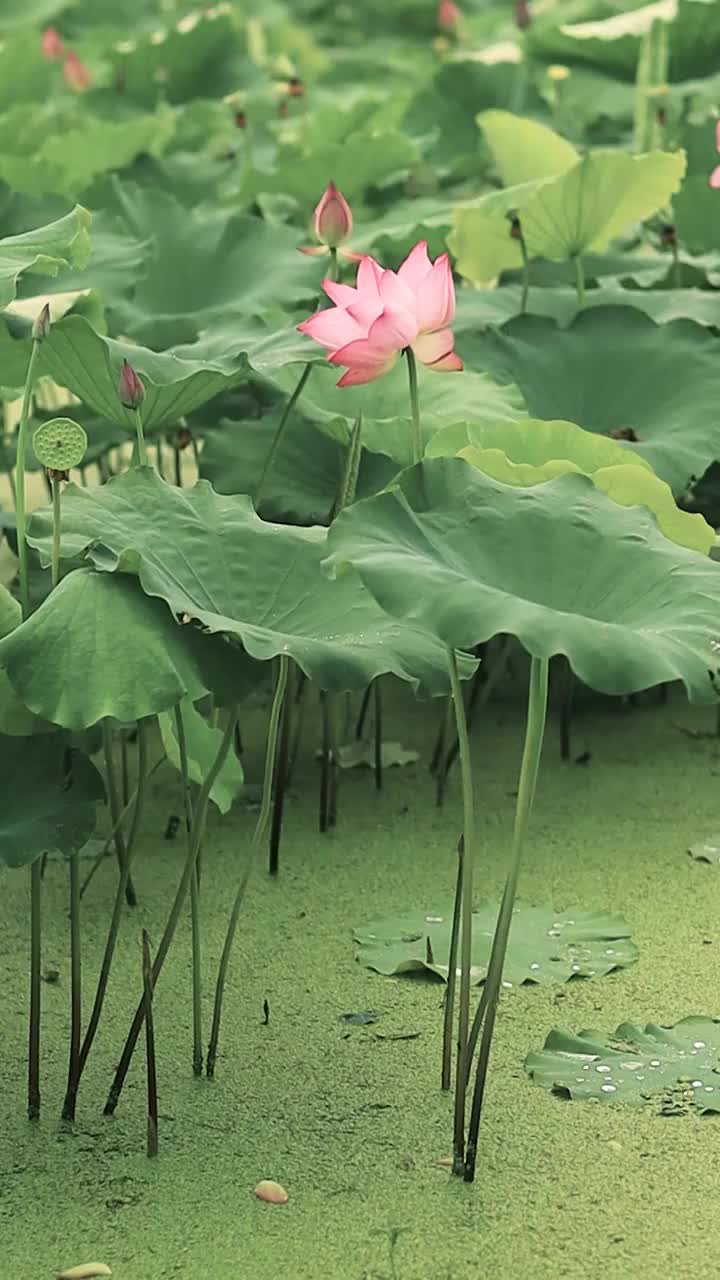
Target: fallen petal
[[271, 1192], [86, 1271]]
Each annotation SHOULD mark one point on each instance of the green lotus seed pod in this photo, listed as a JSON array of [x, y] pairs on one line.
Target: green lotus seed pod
[[59, 444]]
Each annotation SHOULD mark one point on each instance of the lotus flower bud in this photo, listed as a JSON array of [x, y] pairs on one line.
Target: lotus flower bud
[[52, 44], [130, 389], [332, 222], [76, 74], [523, 17], [41, 325], [449, 15]]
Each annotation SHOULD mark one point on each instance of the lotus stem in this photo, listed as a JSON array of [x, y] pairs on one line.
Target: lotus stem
[[142, 453], [152, 1097], [75, 990], [452, 973], [260, 826], [35, 963], [21, 447], [279, 433], [282, 768], [466, 897], [112, 790], [195, 921], [378, 732], [414, 404], [580, 282], [55, 563], [199, 819], [535, 729]]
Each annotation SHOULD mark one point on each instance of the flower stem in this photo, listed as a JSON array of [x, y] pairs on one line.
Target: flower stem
[[141, 446], [414, 404], [452, 975], [270, 754], [199, 819], [466, 892], [21, 446], [55, 566], [580, 282], [35, 961], [152, 1097], [279, 433], [195, 923], [535, 728], [75, 989], [112, 790]]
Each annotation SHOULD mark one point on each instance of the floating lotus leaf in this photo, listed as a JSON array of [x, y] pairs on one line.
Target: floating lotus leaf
[[202, 743], [675, 1068], [559, 565], [97, 647], [176, 381], [220, 566], [530, 452], [545, 945], [44, 809], [614, 370]]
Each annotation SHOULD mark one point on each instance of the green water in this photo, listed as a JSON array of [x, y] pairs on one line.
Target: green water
[[352, 1125]]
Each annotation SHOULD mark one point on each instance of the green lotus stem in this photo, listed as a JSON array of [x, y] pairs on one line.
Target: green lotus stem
[[195, 922], [279, 433], [113, 931], [348, 487], [112, 790], [258, 834], [152, 1096], [35, 962], [334, 269], [526, 274], [535, 729], [580, 282], [55, 564], [121, 818], [198, 830], [21, 446], [452, 974], [160, 461], [466, 896], [140, 434], [75, 990], [378, 734], [414, 404]]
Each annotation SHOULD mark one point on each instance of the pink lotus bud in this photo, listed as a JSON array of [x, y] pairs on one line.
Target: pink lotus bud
[[52, 44], [333, 219], [41, 326], [76, 74], [449, 15], [130, 389], [523, 17]]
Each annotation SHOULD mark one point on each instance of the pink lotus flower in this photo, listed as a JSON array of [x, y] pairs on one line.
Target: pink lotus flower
[[76, 74], [52, 44], [449, 15], [715, 175], [371, 325]]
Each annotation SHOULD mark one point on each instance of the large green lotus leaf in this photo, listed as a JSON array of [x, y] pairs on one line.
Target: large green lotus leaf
[[592, 203], [523, 150], [219, 565], [695, 211], [47, 151], [45, 251], [676, 1068], [559, 565], [207, 263], [615, 370], [545, 945], [202, 742], [178, 55], [44, 811], [304, 481], [533, 451], [477, 308], [385, 405], [116, 259], [608, 42], [176, 381], [98, 647], [15, 718], [18, 13]]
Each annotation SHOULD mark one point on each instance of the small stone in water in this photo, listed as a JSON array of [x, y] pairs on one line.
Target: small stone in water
[[87, 1271], [271, 1192], [443, 1162]]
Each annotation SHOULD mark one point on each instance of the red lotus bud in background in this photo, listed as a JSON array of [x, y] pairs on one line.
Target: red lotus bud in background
[[41, 326], [523, 17], [52, 44], [449, 15], [296, 88], [332, 221], [76, 74], [130, 389], [240, 120]]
